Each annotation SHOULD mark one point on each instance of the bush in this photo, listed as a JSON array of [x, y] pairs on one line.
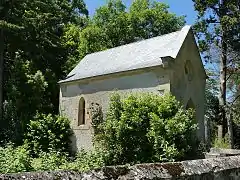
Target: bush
[[222, 143], [46, 148], [18, 159], [14, 159], [85, 161], [49, 161], [48, 133], [147, 128]]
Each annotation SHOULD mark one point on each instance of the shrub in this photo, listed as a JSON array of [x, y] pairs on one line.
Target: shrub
[[14, 159], [222, 143], [85, 161], [48, 133], [49, 161], [18, 159], [147, 128]]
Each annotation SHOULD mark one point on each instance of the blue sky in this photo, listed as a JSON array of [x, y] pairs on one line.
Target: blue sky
[[179, 7]]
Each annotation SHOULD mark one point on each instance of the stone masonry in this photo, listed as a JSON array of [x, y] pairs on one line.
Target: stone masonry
[[204, 169]]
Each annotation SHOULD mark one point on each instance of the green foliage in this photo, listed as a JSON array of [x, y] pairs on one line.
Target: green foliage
[[112, 25], [18, 159], [215, 19], [48, 133], [14, 159], [147, 128], [34, 57], [212, 103], [93, 39], [222, 143], [151, 18], [217, 30], [32, 91], [49, 161], [85, 161], [172, 136], [212, 107]]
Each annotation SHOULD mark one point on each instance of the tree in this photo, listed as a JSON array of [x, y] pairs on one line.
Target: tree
[[112, 25], [5, 26], [1, 71], [35, 57], [151, 18], [212, 105], [217, 25]]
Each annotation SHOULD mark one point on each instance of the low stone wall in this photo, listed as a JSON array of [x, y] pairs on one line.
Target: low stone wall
[[212, 169], [218, 152]]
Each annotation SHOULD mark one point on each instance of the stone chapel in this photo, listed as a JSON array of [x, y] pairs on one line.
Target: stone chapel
[[169, 62]]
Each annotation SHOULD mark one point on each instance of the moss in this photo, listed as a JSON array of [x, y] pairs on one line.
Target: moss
[[174, 169]]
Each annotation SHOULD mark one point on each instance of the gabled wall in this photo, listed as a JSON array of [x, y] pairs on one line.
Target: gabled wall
[[189, 88], [98, 90]]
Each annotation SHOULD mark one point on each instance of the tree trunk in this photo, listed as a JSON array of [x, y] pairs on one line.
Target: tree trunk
[[230, 129], [1, 73], [223, 71], [223, 87], [226, 118]]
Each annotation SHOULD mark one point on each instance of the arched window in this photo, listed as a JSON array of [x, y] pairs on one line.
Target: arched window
[[81, 112]]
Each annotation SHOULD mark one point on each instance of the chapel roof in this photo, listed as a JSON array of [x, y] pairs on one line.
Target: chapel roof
[[137, 55]]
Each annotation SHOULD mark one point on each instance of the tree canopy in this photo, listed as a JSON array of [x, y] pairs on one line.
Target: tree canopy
[[217, 29], [114, 25], [34, 57]]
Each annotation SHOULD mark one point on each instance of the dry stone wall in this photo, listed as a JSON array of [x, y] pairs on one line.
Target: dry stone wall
[[203, 169]]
